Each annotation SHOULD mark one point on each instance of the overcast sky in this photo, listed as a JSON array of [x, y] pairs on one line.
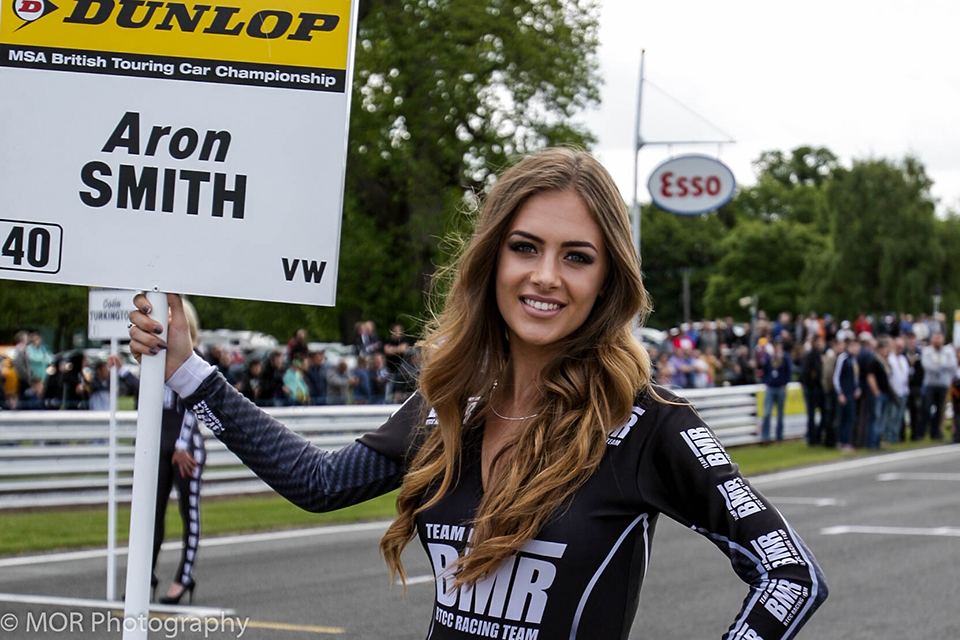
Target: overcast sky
[[866, 79]]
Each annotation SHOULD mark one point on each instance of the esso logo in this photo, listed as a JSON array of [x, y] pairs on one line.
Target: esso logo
[[691, 184], [28, 10]]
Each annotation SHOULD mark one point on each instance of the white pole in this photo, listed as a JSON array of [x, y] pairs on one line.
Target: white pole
[[112, 483], [146, 465], [637, 143]]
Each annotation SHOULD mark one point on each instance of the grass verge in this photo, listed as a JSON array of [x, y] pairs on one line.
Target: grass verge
[[76, 528]]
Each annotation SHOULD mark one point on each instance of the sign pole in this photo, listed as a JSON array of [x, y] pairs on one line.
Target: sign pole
[[112, 482], [146, 465]]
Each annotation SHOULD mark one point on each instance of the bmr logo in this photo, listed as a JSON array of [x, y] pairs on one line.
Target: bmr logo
[[226, 21], [31, 10]]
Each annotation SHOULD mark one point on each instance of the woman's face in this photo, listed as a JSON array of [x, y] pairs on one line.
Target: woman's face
[[550, 270]]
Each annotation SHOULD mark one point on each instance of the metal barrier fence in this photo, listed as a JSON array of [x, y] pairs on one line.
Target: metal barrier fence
[[60, 458]]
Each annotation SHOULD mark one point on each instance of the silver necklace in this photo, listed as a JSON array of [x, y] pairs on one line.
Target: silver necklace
[[503, 417]]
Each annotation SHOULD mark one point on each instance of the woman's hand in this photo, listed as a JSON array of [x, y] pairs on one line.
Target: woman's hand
[[184, 462], [145, 333]]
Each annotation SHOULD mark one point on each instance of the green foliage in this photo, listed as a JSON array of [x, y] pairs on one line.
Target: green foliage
[[32, 306], [671, 244], [883, 252], [761, 259]]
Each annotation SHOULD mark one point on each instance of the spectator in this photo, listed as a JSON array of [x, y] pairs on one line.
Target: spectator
[[32, 398], [682, 365], [395, 348], [379, 378], [316, 376], [360, 382], [224, 365], [862, 325], [708, 341], [297, 346], [76, 389], [21, 363], [338, 384], [866, 404], [878, 380], [271, 381], [776, 375], [746, 366], [38, 357], [939, 367], [100, 386], [846, 381], [914, 351], [295, 387], [828, 418], [367, 342], [664, 370], [900, 386], [251, 381], [811, 373]]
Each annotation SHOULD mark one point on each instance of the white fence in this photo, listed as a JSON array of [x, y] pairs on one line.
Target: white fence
[[59, 458]]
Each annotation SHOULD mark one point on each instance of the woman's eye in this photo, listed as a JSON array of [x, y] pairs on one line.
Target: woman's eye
[[582, 258], [522, 247]]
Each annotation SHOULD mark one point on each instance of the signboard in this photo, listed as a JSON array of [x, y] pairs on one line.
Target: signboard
[[956, 328], [194, 148], [108, 314], [691, 184]]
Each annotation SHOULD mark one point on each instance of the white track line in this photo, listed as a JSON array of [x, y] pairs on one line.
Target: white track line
[[205, 542], [858, 463], [82, 603], [892, 531], [936, 477], [816, 502], [417, 580]]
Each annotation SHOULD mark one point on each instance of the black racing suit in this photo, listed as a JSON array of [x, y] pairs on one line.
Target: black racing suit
[[581, 577], [178, 431]]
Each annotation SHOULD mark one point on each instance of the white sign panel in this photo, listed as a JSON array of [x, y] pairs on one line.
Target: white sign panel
[[194, 148], [108, 314], [691, 184]]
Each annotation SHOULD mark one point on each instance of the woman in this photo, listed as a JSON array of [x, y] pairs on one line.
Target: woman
[[182, 455], [536, 437]]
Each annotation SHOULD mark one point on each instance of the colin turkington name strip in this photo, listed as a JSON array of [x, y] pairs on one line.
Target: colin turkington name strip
[[172, 68]]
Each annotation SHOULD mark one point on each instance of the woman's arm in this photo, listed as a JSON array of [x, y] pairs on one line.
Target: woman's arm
[[688, 476], [311, 478]]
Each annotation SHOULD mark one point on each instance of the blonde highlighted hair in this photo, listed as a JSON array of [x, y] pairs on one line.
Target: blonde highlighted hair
[[587, 390]]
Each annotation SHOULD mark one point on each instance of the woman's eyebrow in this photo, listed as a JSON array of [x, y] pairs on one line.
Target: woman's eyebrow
[[568, 243]]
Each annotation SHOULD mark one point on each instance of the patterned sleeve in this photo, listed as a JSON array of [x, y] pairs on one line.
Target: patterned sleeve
[[309, 477], [686, 474]]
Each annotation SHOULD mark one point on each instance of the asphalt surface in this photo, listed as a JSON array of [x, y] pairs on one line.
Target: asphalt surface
[[886, 531]]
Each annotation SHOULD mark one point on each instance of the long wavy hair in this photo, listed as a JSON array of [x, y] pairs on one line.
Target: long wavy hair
[[586, 391]]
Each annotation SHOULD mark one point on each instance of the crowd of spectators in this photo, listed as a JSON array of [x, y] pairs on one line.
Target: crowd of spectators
[[375, 371], [697, 355], [382, 371], [867, 382]]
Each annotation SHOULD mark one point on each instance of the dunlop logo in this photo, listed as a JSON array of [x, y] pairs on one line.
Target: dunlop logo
[[268, 24]]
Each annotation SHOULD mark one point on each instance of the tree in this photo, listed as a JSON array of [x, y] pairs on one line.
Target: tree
[[671, 244], [765, 260], [882, 254]]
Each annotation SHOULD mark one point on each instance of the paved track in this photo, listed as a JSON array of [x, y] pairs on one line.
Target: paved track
[[886, 531]]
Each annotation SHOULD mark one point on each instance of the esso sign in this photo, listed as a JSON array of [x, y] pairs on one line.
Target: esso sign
[[691, 184]]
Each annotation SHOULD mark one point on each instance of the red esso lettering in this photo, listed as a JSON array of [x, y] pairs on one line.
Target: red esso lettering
[[665, 184], [688, 186], [713, 185]]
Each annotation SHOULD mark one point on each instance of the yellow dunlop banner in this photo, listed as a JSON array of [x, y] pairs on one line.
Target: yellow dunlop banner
[[284, 43]]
